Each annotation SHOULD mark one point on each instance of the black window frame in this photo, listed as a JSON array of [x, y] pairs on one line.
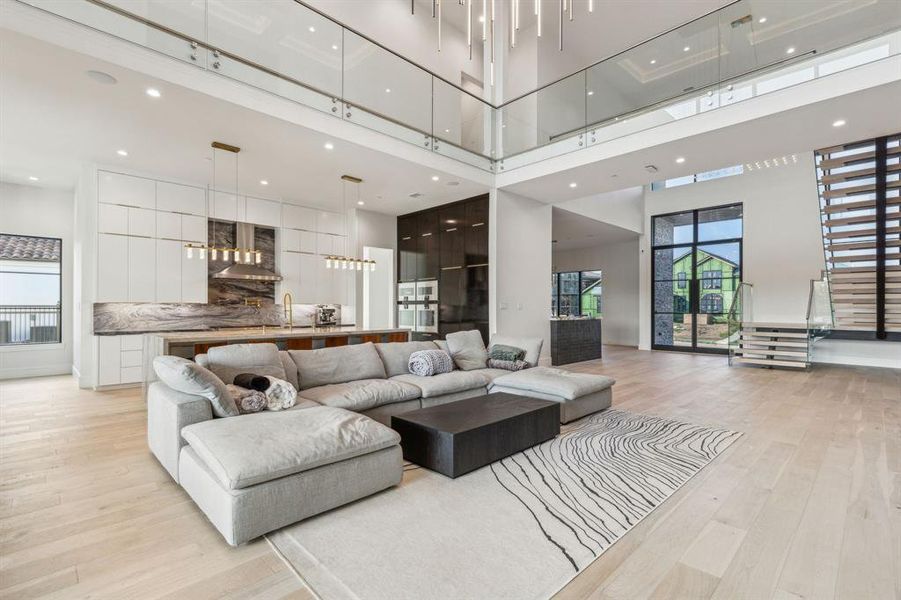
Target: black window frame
[[556, 298]]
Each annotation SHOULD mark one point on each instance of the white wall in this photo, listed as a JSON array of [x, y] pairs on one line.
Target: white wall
[[623, 208], [618, 263], [374, 230], [520, 267], [28, 210]]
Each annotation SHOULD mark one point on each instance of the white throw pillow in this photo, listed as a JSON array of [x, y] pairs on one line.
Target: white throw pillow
[[188, 377], [467, 349]]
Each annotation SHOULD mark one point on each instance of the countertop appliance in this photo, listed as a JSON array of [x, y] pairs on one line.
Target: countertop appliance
[[327, 315]]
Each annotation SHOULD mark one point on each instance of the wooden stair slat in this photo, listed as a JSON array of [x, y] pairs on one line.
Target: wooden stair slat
[[770, 363]]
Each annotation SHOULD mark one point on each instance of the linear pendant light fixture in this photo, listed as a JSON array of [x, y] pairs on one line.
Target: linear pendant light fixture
[[348, 263]]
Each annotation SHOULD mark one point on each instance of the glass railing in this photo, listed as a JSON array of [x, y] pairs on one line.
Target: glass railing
[[293, 51], [740, 311], [744, 50], [820, 313]]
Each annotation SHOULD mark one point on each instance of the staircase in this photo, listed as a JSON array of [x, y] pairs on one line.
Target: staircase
[[860, 208], [784, 345]]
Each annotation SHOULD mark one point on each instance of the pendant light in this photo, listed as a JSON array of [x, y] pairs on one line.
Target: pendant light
[[345, 263]]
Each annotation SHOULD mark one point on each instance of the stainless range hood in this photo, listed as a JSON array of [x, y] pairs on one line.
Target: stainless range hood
[[252, 272]]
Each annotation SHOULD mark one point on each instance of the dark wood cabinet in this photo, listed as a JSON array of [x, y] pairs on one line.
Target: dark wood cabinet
[[449, 243], [406, 248], [428, 259], [476, 232]]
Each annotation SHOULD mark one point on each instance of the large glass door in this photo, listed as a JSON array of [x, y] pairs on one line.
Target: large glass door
[[696, 269]]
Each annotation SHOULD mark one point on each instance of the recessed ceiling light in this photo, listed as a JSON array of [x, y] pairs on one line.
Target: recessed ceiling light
[[311, 29], [101, 77], [263, 182], [790, 50], [481, 19], [680, 160], [387, 90], [839, 123], [122, 152], [761, 20], [447, 131], [591, 92], [360, 202], [33, 178], [435, 178], [334, 46], [573, 184], [329, 146], [654, 61], [686, 48], [153, 92]]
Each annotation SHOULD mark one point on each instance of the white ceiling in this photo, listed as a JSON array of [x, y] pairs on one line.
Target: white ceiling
[[54, 118], [571, 231]]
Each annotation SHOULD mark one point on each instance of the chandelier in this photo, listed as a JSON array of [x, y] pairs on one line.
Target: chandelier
[[246, 256], [488, 18], [348, 263]]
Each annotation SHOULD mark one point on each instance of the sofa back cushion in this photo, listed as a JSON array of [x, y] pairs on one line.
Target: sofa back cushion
[[396, 355], [234, 359], [532, 346], [337, 365], [188, 377], [467, 349], [290, 369]]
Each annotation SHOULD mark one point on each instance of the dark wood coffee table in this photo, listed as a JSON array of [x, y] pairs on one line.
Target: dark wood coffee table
[[462, 436]]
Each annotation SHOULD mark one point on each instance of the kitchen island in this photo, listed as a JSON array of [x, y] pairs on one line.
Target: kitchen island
[[575, 339]]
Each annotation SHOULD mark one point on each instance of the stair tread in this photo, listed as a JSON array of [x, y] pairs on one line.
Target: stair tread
[[774, 324], [751, 352], [771, 363]]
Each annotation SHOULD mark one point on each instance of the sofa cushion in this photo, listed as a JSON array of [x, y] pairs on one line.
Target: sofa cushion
[[446, 383], [290, 369], [396, 355], [255, 448], [554, 382], [234, 359], [363, 394], [188, 377], [531, 345], [493, 374], [326, 366], [467, 349]]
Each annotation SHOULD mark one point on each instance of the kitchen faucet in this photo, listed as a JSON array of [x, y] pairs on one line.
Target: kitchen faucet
[[288, 301]]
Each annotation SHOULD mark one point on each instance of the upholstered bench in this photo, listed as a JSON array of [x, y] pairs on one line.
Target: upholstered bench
[[579, 394], [253, 474]]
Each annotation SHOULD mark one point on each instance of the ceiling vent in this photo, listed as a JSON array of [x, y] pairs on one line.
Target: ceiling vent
[[650, 168], [415, 195]]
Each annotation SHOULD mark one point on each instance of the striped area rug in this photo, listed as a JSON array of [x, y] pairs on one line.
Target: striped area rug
[[520, 528]]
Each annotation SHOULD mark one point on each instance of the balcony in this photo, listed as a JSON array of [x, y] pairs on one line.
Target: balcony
[[20, 325], [743, 51]]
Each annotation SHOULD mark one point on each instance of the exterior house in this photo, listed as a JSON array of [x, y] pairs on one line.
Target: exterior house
[[718, 278]]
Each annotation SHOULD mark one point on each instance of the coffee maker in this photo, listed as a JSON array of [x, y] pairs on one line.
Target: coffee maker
[[327, 315]]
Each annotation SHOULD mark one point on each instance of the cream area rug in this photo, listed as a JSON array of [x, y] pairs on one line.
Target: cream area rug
[[520, 528]]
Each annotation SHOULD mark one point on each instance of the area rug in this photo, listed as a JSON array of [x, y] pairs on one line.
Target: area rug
[[520, 528]]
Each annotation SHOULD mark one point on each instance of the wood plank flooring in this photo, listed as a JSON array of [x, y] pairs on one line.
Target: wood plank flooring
[[806, 505]]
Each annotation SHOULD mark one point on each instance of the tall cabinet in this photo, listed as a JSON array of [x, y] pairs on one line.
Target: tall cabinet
[[449, 243]]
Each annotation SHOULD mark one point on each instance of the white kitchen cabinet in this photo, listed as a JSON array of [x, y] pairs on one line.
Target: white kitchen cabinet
[[194, 229], [112, 268], [131, 342], [330, 222], [141, 222], [289, 269], [112, 219], [193, 279], [227, 207], [307, 241], [131, 359], [306, 287], [141, 269], [298, 217], [324, 244], [168, 226], [168, 270], [263, 212], [290, 240], [127, 190], [338, 246], [109, 360], [176, 198]]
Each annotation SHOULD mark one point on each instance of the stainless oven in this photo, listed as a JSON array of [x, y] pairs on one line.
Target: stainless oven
[[406, 306], [427, 306]]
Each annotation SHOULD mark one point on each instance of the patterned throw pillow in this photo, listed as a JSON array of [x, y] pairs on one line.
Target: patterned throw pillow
[[507, 353], [507, 365], [426, 363]]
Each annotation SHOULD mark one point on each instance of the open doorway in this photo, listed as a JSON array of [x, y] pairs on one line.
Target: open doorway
[[378, 289]]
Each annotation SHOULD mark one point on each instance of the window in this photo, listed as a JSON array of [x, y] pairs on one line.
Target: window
[[681, 281], [30, 290], [712, 303], [712, 280], [705, 176], [576, 293]]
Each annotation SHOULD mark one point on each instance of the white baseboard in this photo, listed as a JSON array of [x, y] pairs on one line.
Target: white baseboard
[[36, 371]]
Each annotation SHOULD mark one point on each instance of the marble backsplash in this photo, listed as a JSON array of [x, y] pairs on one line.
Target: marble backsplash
[[236, 291], [118, 318]]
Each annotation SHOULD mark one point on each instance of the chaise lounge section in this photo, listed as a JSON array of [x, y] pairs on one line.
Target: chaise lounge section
[[255, 473]]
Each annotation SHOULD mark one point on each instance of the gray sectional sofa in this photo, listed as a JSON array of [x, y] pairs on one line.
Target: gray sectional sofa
[[251, 474]]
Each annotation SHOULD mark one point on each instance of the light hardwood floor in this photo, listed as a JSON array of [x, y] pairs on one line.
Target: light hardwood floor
[[806, 505]]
